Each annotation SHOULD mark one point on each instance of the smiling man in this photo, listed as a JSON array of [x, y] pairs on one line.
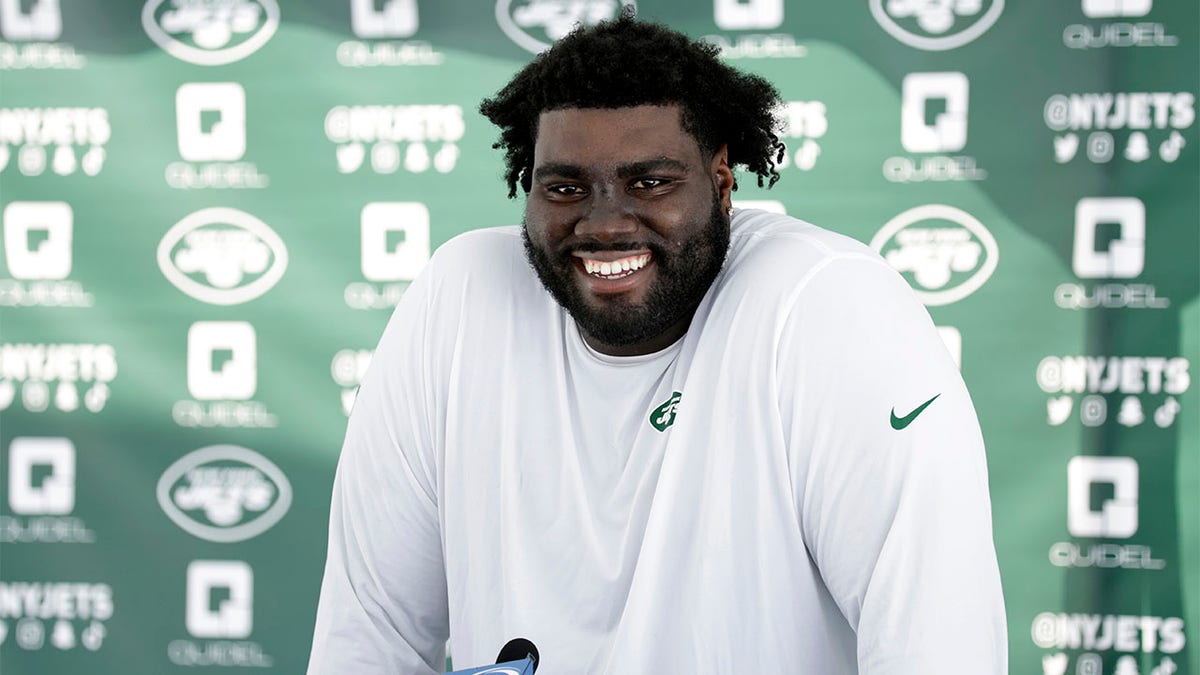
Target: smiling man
[[653, 433]]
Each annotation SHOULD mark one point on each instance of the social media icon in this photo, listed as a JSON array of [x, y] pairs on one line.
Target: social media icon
[[42, 22], [1122, 257], [1103, 9], [748, 14], [933, 112], [41, 476], [37, 239], [210, 119], [220, 599], [1116, 515], [222, 360], [395, 240], [395, 19]]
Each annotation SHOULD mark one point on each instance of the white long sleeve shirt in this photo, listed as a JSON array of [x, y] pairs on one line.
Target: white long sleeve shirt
[[798, 485]]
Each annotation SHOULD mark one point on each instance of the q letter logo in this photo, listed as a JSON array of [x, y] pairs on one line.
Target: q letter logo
[[1117, 516], [1103, 9], [395, 240], [748, 14], [37, 239], [211, 120], [396, 19], [948, 130], [220, 599], [32, 490], [222, 360], [1125, 256], [43, 22]]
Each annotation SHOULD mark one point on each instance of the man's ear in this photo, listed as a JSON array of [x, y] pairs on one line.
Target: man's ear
[[722, 176]]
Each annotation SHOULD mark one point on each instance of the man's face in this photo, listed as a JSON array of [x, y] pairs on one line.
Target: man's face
[[626, 222]]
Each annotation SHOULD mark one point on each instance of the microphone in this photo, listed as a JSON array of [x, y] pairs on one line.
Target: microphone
[[518, 657], [517, 649]]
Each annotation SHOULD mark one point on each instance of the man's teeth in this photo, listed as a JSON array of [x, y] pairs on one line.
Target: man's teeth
[[616, 268]]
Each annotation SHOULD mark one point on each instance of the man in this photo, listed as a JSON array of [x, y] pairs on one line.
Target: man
[[650, 436]]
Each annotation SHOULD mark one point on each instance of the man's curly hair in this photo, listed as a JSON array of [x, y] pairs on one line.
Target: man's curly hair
[[626, 62]]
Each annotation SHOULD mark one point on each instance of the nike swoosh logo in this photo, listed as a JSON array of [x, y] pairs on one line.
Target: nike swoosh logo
[[899, 423]]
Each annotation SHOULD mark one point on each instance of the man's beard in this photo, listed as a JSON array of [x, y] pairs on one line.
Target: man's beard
[[682, 279]]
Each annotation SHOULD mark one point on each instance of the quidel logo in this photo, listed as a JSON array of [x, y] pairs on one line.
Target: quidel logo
[[535, 24], [38, 253], [209, 33], [395, 19], [210, 119], [748, 15], [382, 31], [753, 15], [52, 493], [43, 21], [41, 494], [1110, 243], [943, 252], [1125, 256], [1114, 515], [222, 256], [395, 248], [39, 23], [933, 119], [220, 607], [222, 377], [224, 493], [936, 25], [1122, 32]]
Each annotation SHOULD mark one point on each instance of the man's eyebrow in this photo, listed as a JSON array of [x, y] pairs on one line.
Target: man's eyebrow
[[650, 166], [558, 171]]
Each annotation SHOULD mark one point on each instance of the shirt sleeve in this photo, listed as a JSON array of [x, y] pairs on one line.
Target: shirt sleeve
[[383, 606], [889, 474]]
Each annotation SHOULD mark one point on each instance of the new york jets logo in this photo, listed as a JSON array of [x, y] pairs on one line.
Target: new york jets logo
[[944, 253], [224, 493], [210, 32], [936, 25], [664, 415], [536, 24], [222, 256]]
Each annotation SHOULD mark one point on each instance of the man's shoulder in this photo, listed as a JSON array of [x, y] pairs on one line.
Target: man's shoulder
[[784, 247], [476, 246]]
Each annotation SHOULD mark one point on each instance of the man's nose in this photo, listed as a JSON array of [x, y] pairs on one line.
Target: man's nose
[[607, 217]]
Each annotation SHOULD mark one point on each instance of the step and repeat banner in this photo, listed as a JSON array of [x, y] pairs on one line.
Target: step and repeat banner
[[209, 208]]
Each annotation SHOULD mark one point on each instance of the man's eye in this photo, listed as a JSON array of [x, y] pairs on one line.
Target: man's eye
[[649, 183], [566, 190]]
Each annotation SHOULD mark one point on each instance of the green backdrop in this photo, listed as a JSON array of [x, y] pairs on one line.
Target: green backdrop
[[210, 206]]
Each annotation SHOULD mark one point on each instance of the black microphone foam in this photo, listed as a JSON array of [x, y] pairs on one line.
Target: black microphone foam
[[517, 649]]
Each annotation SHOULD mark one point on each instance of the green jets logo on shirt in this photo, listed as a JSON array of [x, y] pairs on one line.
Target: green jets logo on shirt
[[899, 423], [664, 415]]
